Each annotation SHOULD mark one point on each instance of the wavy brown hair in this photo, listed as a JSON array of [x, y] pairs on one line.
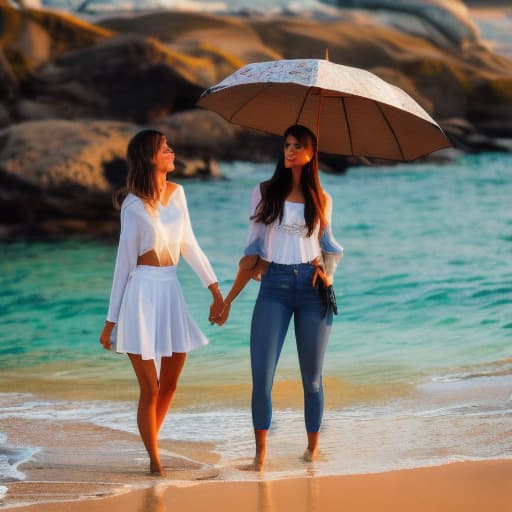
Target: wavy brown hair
[[140, 155], [275, 190]]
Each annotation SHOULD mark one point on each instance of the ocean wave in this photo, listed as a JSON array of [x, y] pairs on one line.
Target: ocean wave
[[410, 432], [502, 368], [10, 458]]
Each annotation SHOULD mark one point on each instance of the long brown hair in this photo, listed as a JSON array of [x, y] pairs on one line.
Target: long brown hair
[[275, 190], [140, 156]]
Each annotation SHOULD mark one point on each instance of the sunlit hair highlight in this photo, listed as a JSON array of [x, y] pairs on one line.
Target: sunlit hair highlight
[[140, 156]]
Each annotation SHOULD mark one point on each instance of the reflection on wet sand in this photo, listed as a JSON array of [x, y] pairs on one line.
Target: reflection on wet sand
[[306, 501], [153, 499]]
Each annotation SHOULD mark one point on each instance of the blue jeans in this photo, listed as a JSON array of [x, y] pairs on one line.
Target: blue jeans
[[287, 290]]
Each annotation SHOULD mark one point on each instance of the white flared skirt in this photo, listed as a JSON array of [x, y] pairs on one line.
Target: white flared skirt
[[154, 320]]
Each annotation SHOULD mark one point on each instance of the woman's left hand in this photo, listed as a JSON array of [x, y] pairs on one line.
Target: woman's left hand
[[217, 304], [320, 274], [222, 318]]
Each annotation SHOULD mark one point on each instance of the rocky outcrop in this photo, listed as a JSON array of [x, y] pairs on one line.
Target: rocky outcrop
[[72, 94], [445, 23], [431, 46], [57, 177], [31, 38], [146, 67], [229, 41], [127, 77]]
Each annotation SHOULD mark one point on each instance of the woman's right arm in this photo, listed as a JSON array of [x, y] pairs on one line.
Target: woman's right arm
[[249, 267], [253, 263], [126, 261]]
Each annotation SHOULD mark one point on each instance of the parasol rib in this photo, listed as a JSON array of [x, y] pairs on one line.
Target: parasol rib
[[230, 118], [301, 109], [391, 130], [318, 117], [347, 124]]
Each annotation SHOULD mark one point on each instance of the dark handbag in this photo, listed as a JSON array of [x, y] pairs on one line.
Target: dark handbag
[[327, 297]]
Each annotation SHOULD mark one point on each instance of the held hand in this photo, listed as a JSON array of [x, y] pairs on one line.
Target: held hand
[[216, 309], [217, 304], [105, 334], [222, 318]]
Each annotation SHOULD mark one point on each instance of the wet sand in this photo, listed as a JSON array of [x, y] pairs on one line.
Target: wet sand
[[81, 461], [85, 468], [468, 487]]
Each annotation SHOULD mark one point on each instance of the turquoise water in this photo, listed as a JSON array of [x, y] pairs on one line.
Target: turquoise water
[[425, 324]]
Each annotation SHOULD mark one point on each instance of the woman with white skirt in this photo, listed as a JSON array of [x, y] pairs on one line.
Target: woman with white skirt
[[148, 318]]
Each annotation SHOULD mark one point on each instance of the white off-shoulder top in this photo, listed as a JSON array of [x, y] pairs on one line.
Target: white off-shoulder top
[[166, 229], [286, 241]]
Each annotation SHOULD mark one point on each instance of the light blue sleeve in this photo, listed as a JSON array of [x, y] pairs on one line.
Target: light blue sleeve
[[332, 251], [256, 238]]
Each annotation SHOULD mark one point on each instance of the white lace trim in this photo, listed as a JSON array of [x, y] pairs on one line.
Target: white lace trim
[[300, 230]]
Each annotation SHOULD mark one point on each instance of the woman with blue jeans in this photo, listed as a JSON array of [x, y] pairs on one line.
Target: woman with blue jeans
[[290, 248]]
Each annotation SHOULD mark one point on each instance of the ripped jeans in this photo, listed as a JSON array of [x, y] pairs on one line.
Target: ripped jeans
[[287, 290]]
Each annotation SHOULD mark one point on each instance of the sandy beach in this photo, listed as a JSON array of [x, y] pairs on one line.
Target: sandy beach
[[467, 486], [86, 468]]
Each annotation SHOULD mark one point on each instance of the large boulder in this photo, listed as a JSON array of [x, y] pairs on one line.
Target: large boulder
[[159, 63], [57, 177], [445, 23], [31, 38], [228, 41], [63, 156], [54, 177], [8, 81], [127, 77]]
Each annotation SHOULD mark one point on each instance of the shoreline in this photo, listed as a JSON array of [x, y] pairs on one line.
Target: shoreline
[[468, 486], [67, 449]]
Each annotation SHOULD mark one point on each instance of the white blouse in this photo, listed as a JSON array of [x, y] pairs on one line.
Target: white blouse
[[286, 241], [167, 229]]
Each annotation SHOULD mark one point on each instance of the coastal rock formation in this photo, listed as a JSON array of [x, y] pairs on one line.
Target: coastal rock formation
[[127, 77], [57, 177], [33, 37], [72, 93], [431, 49], [144, 67], [445, 23], [229, 41]]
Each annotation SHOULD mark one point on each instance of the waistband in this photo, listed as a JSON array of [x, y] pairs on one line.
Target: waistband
[[152, 272], [292, 267]]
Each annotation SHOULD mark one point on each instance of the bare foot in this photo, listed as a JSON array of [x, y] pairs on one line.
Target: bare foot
[[310, 455], [156, 469], [260, 437], [254, 466]]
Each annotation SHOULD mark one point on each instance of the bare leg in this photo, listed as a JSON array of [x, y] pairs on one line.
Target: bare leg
[[146, 412], [170, 372], [311, 452], [260, 436]]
